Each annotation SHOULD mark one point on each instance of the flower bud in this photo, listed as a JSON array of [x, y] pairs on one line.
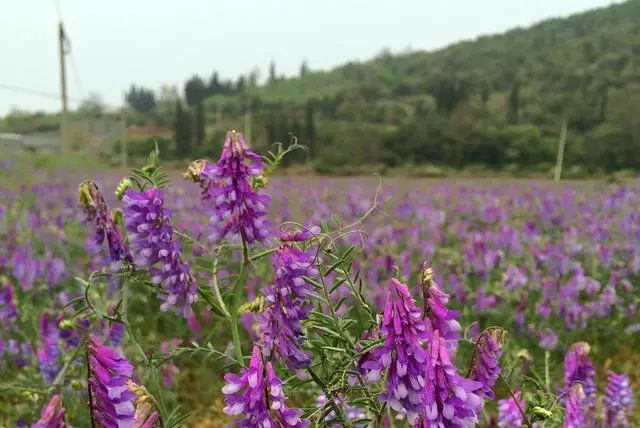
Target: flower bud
[[125, 183]]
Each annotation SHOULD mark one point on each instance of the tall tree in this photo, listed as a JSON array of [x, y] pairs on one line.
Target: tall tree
[[140, 99], [182, 131], [195, 90], [199, 125], [304, 68], [309, 129], [272, 72], [214, 84], [513, 104]]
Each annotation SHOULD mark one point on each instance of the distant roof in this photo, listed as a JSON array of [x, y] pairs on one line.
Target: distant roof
[[9, 136]]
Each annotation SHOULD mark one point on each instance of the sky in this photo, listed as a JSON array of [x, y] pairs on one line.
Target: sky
[[117, 43]]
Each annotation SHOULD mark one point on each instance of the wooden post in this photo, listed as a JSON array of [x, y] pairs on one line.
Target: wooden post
[[64, 124], [560, 157]]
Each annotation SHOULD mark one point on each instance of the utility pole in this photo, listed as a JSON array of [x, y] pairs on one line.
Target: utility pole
[[560, 157], [64, 130]]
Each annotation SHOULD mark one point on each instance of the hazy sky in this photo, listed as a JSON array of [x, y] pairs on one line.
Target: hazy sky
[[116, 43]]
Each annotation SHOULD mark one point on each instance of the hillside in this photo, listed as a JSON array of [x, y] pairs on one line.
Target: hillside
[[497, 101]]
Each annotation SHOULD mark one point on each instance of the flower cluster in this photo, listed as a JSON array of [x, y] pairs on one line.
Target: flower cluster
[[579, 369], [438, 316], [485, 367], [96, 210], [151, 238], [509, 415], [402, 354], [574, 410], [618, 400], [286, 306], [111, 400], [48, 351], [237, 208], [52, 415], [450, 399], [257, 395]]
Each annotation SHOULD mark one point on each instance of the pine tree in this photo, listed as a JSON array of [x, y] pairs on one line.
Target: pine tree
[[513, 104], [272, 73], [199, 119], [182, 131], [309, 129]]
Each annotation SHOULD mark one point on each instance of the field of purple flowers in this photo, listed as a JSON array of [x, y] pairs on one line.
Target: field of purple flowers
[[237, 297]]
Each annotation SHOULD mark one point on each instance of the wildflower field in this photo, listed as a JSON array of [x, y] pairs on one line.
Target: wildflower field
[[230, 296]]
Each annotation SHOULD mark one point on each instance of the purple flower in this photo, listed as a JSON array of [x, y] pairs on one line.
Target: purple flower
[[574, 414], [548, 339], [55, 269], [8, 312], [485, 365], [96, 210], [48, 351], [509, 415], [617, 400], [151, 237], [21, 353], [169, 370], [579, 369], [514, 278], [52, 415], [438, 316], [299, 236], [402, 355], [450, 399], [145, 417], [257, 395], [109, 374], [286, 306], [236, 207], [26, 268], [115, 333]]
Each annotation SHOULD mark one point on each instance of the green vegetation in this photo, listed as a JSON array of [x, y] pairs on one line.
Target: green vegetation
[[496, 102]]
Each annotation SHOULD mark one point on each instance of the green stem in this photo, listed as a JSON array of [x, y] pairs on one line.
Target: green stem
[[547, 377], [216, 288], [89, 390], [60, 376], [334, 406], [513, 396], [263, 254], [235, 333]]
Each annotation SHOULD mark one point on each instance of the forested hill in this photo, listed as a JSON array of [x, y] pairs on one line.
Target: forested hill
[[497, 101]]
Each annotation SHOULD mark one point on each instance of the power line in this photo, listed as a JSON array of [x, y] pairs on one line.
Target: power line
[[76, 75], [36, 92], [69, 52]]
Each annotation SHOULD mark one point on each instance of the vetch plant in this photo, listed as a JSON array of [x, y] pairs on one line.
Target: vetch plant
[[311, 323]]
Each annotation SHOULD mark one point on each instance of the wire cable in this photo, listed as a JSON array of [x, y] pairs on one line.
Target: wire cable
[[36, 92]]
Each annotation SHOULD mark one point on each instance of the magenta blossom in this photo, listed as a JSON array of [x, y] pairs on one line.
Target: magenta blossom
[[111, 401], [52, 415], [402, 356], [257, 395], [236, 207], [450, 399], [151, 235]]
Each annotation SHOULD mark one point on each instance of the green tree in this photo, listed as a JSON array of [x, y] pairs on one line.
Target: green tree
[[140, 99], [513, 104], [310, 129], [195, 90], [272, 72], [182, 131]]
